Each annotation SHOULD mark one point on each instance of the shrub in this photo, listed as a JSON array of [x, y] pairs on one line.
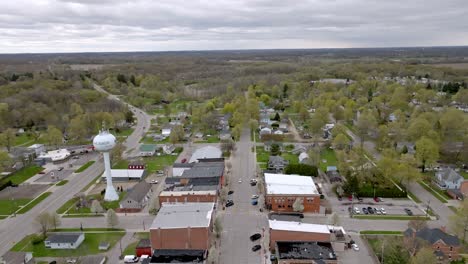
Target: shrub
[[301, 169], [37, 239], [386, 192]]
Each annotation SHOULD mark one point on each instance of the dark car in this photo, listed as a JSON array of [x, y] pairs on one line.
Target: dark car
[[408, 211], [340, 198], [184, 160], [256, 248], [350, 198], [53, 262], [60, 169], [359, 199], [364, 210], [230, 192], [255, 236], [254, 202], [253, 183], [229, 203], [371, 210]]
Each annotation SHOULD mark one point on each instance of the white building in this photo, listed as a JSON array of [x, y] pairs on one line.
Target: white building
[[125, 175], [38, 148], [208, 152], [166, 131], [55, 155], [284, 184], [64, 240]]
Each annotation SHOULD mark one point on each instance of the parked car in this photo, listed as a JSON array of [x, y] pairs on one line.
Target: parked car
[[76, 157], [364, 210], [408, 211], [154, 182], [239, 181], [60, 168], [254, 202], [256, 248], [184, 160], [356, 210], [355, 247], [376, 199], [53, 262], [254, 196], [255, 236], [131, 259], [370, 210], [230, 192], [71, 261], [382, 210], [340, 198], [229, 203], [377, 211], [360, 199], [380, 199], [253, 183], [42, 172], [350, 198]]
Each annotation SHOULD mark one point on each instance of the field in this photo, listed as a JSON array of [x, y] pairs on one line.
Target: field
[[156, 163], [23, 174], [7, 207], [70, 205], [461, 66]]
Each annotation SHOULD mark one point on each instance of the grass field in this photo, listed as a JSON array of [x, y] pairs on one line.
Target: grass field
[[61, 183], [464, 174], [156, 163], [23, 174], [123, 164], [7, 207], [390, 217], [461, 65], [380, 232], [130, 249], [34, 203], [434, 192], [330, 157], [88, 247], [85, 166], [210, 139], [23, 140], [70, 205], [124, 133]]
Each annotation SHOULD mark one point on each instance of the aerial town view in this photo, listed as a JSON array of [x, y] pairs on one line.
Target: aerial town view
[[233, 132]]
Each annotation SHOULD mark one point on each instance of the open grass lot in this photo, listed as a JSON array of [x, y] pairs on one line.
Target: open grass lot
[[156, 163], [34, 203], [88, 247], [436, 194], [85, 166], [23, 174], [123, 132], [23, 140], [262, 155], [7, 207], [327, 155], [210, 139], [123, 164]]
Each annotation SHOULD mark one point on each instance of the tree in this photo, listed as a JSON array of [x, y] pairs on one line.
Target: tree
[[112, 218], [55, 220], [177, 134], [218, 227], [334, 219], [394, 251], [77, 128], [212, 255], [424, 256], [427, 152], [96, 207], [44, 221], [7, 138], [417, 224], [129, 117], [341, 141], [227, 145], [365, 125], [459, 221], [5, 161], [314, 156], [275, 150], [418, 128], [277, 117], [298, 205], [167, 110], [54, 136], [117, 152]]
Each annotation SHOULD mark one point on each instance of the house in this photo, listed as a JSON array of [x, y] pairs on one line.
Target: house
[[445, 246], [265, 131], [64, 240], [168, 148], [265, 119], [12, 257], [303, 157], [267, 145], [136, 165], [178, 256], [147, 150], [199, 135], [207, 152], [278, 132], [283, 126], [447, 178], [126, 175], [157, 137], [298, 149], [37, 148], [277, 163], [137, 197], [143, 248], [166, 130], [225, 134], [182, 226], [282, 191], [305, 252], [409, 146]]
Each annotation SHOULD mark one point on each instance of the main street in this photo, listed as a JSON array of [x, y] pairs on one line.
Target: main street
[[13, 229]]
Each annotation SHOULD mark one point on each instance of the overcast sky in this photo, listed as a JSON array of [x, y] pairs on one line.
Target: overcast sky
[[158, 25]]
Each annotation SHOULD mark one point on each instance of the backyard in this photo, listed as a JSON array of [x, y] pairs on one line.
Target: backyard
[[156, 163], [327, 158], [263, 157]]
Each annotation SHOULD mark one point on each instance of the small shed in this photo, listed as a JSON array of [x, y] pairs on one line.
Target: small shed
[[104, 246]]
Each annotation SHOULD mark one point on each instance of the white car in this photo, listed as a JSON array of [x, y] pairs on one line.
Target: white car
[[355, 247], [154, 182], [377, 211], [382, 210], [254, 196], [356, 210], [240, 181], [131, 259]]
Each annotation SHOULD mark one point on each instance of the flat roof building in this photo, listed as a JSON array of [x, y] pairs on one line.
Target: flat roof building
[[126, 174], [296, 231], [207, 152], [305, 252]]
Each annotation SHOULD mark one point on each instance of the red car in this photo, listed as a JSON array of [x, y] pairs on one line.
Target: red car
[[184, 160], [350, 198], [376, 199]]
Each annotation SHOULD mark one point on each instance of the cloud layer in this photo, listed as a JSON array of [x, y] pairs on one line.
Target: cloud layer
[[120, 25]]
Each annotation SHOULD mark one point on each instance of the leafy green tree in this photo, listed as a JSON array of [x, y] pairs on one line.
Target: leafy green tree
[[7, 138], [77, 128], [5, 161], [177, 134], [427, 152], [418, 128], [341, 141], [424, 256], [365, 125], [459, 221], [54, 136], [275, 150], [298, 205]]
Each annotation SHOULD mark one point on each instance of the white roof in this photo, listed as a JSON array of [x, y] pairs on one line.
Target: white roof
[[124, 173], [298, 227], [208, 152], [182, 215], [35, 146], [303, 156], [56, 155], [289, 184]]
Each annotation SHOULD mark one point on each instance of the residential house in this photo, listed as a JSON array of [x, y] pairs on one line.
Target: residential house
[[448, 178], [265, 131], [298, 149], [267, 145], [147, 150], [12, 257], [168, 148], [265, 119], [410, 146], [278, 132], [446, 247], [283, 126], [303, 157], [333, 174], [64, 240], [166, 130], [137, 197], [277, 163]]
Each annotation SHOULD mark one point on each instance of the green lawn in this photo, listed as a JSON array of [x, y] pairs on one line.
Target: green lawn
[[34, 203], [453, 208], [7, 207], [262, 155], [23, 174], [293, 159], [375, 244], [60, 183], [156, 163], [130, 249], [70, 204], [88, 247], [124, 133], [85, 166], [123, 164], [210, 139], [150, 140], [464, 174], [381, 232], [390, 217], [330, 157], [434, 192], [23, 139]]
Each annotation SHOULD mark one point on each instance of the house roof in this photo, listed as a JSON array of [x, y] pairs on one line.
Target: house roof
[[183, 215], [433, 235], [206, 152], [148, 148], [178, 256], [331, 168], [138, 192], [289, 184], [298, 227], [277, 160], [124, 173], [449, 175], [305, 250], [204, 170], [193, 181], [63, 237], [303, 156], [182, 165]]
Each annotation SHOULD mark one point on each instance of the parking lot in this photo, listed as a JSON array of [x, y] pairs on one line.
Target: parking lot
[[391, 206]]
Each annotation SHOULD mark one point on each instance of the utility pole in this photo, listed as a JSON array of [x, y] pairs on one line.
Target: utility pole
[[12, 201], [427, 209], [144, 225], [352, 204]]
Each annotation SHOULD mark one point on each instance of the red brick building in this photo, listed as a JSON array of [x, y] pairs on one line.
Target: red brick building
[[182, 226], [446, 247], [282, 191], [188, 197], [297, 232]]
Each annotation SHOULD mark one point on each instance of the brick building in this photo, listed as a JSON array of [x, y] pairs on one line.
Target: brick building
[[446, 247], [182, 226], [188, 196], [283, 190], [297, 232]]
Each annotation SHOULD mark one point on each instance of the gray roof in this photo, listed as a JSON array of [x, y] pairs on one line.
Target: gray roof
[[63, 237], [138, 192], [433, 235], [204, 170], [449, 174], [277, 160], [305, 250], [182, 165], [206, 152], [182, 215]]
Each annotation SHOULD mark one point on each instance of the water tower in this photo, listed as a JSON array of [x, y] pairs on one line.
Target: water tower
[[105, 142]]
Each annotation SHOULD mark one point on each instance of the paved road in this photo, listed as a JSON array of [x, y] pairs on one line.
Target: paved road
[[243, 219]]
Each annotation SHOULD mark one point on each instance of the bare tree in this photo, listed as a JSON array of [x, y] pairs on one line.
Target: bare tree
[[212, 255], [298, 205], [55, 220], [218, 227], [112, 218], [334, 219], [44, 221], [96, 207], [417, 223]]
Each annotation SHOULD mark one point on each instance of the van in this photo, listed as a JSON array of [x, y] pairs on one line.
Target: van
[[130, 259]]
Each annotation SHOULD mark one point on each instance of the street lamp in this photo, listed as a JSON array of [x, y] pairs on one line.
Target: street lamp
[[427, 209]]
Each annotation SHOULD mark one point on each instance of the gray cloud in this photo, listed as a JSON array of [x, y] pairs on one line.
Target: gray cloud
[[121, 25]]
